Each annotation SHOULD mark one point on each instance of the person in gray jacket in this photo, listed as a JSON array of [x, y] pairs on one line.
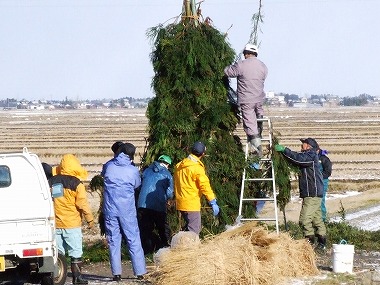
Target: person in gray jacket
[[156, 190], [311, 189], [251, 74]]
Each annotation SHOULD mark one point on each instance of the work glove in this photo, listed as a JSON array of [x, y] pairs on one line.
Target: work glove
[[279, 147], [215, 207]]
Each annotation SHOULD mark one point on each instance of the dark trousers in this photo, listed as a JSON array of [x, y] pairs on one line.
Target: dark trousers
[[154, 229]]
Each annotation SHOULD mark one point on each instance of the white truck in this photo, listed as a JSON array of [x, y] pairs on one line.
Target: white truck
[[28, 251]]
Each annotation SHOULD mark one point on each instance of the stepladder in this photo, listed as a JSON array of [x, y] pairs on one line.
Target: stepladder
[[258, 186]]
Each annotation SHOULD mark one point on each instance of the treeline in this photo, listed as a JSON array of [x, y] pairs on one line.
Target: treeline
[[361, 100]]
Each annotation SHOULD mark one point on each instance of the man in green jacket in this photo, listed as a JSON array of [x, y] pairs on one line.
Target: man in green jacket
[[190, 183]]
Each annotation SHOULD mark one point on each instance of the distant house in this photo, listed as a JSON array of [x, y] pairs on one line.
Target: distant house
[[36, 107]]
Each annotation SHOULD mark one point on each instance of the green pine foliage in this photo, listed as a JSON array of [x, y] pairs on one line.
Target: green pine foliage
[[283, 170], [191, 105]]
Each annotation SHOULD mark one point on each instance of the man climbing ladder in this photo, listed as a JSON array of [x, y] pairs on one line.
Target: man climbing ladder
[[251, 74]]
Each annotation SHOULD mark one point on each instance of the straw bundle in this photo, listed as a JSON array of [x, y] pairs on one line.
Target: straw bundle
[[245, 255]]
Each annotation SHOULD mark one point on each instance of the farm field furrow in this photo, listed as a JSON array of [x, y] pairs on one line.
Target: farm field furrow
[[350, 134]]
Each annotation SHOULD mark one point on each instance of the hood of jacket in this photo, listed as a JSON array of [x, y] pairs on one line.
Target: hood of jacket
[[156, 166], [122, 159], [189, 161], [70, 165]]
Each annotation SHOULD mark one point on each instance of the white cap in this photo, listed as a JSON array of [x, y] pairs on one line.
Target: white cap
[[251, 48]]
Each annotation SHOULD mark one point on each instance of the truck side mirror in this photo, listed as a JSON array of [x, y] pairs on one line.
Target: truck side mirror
[[57, 190]]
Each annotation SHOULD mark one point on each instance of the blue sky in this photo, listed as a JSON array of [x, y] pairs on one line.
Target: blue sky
[[95, 49]]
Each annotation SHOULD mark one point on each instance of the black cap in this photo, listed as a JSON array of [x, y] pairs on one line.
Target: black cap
[[128, 149], [310, 141], [198, 148], [115, 147]]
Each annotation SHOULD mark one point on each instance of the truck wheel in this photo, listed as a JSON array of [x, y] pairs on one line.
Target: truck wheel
[[60, 279], [47, 279]]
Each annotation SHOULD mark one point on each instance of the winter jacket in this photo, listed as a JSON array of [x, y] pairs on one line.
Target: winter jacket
[[156, 187], [326, 166], [310, 176], [73, 204], [251, 74], [190, 183], [121, 179]]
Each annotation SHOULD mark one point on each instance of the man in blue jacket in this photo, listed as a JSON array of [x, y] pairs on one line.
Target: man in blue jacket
[[311, 189], [121, 179], [156, 190], [326, 169]]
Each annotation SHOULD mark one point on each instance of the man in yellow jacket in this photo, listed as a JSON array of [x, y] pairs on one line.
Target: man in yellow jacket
[[69, 210], [190, 183]]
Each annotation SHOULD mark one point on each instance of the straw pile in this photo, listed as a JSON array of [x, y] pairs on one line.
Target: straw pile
[[245, 255]]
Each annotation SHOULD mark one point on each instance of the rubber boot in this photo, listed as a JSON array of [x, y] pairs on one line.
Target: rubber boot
[[260, 126], [76, 268], [310, 239], [321, 243], [256, 145]]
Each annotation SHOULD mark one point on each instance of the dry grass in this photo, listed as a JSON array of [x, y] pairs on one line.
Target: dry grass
[[244, 255]]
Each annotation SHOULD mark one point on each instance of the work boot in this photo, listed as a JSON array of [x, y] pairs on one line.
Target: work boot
[[256, 145], [310, 239], [321, 246], [116, 278], [322, 242], [76, 268], [260, 126]]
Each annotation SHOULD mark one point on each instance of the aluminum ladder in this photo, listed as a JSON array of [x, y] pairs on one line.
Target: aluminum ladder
[[265, 164]]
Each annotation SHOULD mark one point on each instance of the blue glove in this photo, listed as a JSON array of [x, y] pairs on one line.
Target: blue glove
[[279, 147], [215, 207], [324, 152]]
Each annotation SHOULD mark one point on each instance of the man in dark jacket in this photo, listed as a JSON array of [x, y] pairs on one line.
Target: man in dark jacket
[[311, 189], [156, 190]]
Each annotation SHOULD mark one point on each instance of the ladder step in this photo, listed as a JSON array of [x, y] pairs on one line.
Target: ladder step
[[265, 159], [258, 179], [264, 139], [258, 199], [263, 119], [259, 219]]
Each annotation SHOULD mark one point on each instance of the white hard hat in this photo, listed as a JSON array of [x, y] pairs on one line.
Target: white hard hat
[[251, 48]]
